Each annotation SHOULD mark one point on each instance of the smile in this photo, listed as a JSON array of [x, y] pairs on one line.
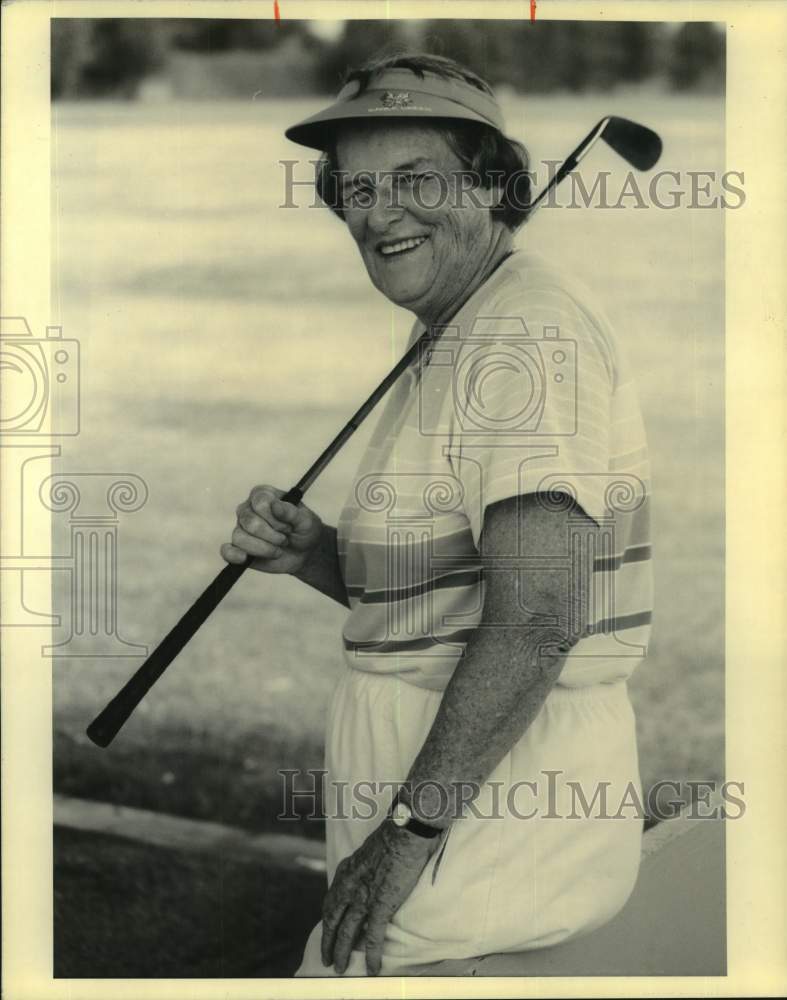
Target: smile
[[401, 246]]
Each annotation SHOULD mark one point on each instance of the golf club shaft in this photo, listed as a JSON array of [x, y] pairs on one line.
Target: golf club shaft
[[570, 162], [108, 723], [103, 729]]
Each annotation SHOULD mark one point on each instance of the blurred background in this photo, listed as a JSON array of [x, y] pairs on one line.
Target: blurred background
[[180, 58], [225, 339]]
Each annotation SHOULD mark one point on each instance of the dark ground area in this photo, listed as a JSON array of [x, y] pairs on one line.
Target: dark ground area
[[126, 910], [212, 780]]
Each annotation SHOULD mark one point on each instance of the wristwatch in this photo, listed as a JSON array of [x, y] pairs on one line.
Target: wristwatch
[[402, 816]]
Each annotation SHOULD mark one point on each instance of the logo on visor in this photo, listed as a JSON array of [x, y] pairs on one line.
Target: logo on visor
[[399, 100]]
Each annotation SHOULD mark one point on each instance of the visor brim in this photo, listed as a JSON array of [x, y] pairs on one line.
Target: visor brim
[[320, 130]]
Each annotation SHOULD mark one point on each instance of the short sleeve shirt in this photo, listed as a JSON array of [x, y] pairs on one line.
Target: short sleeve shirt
[[525, 391]]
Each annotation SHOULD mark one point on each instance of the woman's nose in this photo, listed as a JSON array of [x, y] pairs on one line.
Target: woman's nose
[[386, 206]]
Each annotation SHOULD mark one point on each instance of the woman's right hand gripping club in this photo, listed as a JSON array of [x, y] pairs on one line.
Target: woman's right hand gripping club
[[276, 537]]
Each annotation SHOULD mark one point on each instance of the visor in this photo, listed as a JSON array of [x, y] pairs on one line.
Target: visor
[[398, 93]]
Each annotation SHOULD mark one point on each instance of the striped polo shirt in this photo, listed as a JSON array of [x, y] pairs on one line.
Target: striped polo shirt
[[526, 391]]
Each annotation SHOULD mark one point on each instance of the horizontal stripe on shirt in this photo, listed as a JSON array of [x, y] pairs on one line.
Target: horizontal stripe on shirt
[[383, 646], [408, 645], [448, 581]]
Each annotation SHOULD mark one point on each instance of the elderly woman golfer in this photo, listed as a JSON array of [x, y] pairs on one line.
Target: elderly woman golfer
[[493, 553]]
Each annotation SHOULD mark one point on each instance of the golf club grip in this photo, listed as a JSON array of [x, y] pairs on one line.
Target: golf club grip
[[108, 723]]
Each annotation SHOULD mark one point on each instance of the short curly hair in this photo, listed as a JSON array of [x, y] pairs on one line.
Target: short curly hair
[[485, 152]]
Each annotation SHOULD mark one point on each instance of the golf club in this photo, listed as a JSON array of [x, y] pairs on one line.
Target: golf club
[[636, 144]]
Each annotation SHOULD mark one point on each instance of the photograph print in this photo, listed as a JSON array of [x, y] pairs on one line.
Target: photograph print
[[422, 323]]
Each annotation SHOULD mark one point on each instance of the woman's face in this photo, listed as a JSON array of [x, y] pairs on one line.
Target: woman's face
[[424, 242]]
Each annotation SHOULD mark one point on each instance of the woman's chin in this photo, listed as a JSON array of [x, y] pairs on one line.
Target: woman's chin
[[405, 294]]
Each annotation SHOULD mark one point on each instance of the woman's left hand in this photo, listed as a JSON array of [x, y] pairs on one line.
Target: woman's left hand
[[368, 888]]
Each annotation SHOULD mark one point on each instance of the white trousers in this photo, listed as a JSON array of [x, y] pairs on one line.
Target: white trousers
[[550, 849]]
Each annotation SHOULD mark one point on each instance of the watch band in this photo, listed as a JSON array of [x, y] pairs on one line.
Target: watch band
[[415, 825]]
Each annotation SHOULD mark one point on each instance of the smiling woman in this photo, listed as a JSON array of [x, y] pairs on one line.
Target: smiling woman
[[446, 155], [431, 255], [494, 554]]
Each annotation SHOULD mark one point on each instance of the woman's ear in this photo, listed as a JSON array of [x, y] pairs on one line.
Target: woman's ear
[[496, 194], [488, 196]]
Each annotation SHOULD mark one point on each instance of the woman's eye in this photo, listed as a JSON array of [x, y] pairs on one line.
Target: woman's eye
[[360, 197], [414, 179]]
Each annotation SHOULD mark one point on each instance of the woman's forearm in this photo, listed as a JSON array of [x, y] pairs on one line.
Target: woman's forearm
[[322, 571], [512, 659], [495, 693]]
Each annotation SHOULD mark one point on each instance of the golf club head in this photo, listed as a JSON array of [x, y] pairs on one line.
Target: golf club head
[[638, 145]]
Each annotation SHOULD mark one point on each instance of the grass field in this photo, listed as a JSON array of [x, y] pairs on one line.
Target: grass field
[[223, 340]]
